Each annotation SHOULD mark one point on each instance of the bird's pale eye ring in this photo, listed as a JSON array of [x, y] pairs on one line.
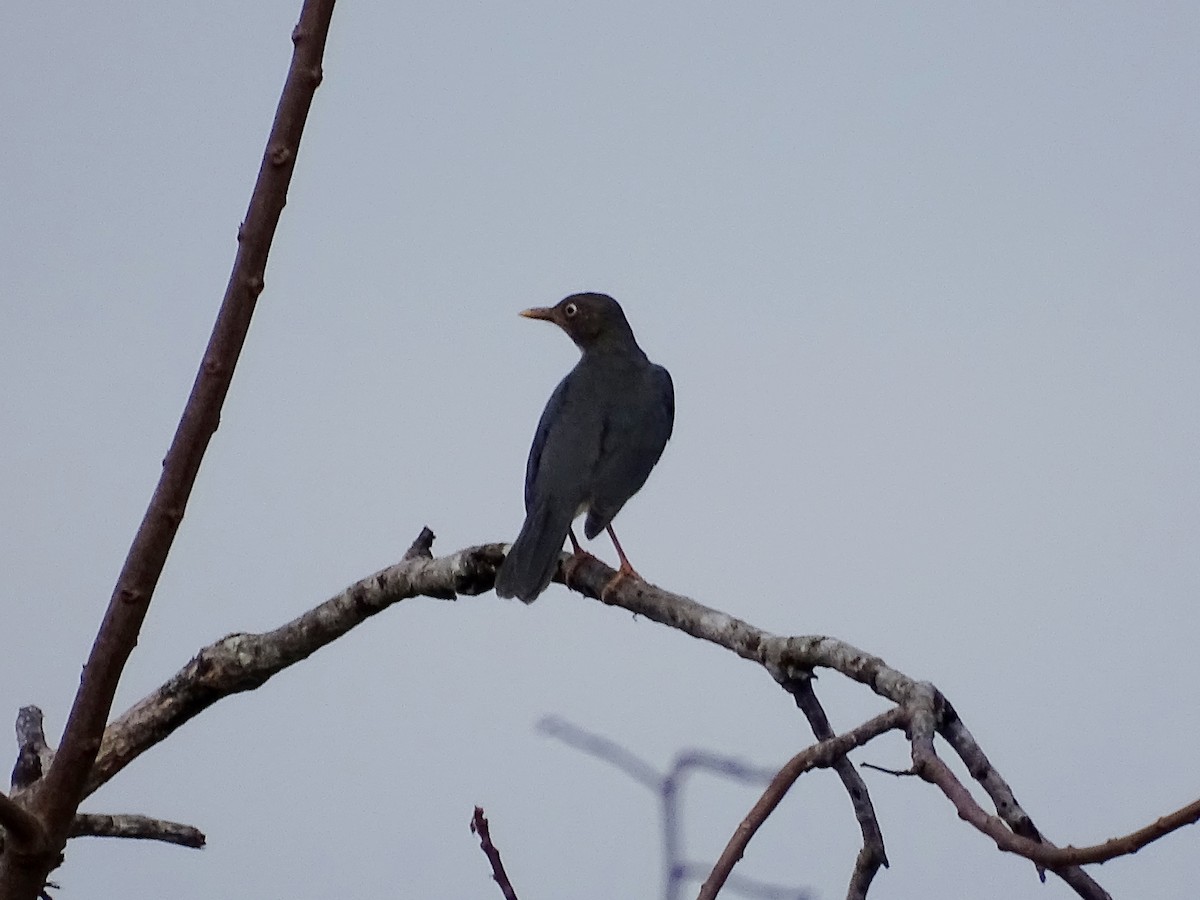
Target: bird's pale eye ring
[[570, 309]]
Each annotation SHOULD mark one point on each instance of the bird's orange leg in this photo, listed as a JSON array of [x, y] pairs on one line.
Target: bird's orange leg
[[578, 556], [625, 571]]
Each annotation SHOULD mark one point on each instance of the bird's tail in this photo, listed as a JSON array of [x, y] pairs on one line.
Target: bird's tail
[[533, 558]]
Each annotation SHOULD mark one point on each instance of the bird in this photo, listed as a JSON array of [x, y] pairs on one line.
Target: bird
[[602, 431]]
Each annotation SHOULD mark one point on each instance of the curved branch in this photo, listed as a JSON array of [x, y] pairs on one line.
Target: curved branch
[[873, 855], [243, 662], [1007, 807], [794, 657], [820, 755], [936, 772], [784, 658]]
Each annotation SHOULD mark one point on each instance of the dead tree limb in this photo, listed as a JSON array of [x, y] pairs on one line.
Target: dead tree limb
[[820, 755], [789, 658], [140, 828], [56, 797], [241, 662], [872, 855]]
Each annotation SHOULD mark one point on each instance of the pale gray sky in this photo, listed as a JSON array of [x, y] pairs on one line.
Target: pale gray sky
[[927, 281]]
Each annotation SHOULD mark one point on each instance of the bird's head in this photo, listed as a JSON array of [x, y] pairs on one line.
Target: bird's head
[[590, 320]]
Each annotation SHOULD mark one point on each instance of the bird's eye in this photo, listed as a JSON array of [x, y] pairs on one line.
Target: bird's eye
[[570, 309]]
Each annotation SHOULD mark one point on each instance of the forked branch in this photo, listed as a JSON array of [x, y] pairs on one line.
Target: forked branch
[[823, 754], [242, 662], [58, 794]]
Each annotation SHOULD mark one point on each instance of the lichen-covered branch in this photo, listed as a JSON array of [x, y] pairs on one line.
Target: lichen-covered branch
[[243, 662], [792, 657], [33, 753], [783, 657], [141, 828]]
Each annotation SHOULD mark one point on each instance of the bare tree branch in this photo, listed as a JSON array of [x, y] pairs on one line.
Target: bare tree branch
[[31, 739], [935, 771], [57, 796], [955, 732], [243, 662], [872, 855], [982, 770], [819, 755], [479, 826], [141, 828], [791, 657], [927, 764]]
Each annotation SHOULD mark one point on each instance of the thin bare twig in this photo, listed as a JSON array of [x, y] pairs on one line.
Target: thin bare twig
[[935, 771], [58, 795], [819, 755], [899, 773], [479, 826]]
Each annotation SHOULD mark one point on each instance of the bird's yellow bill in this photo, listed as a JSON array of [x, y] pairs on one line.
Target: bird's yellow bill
[[546, 313]]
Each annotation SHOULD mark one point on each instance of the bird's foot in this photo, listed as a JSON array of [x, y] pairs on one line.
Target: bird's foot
[[624, 572]]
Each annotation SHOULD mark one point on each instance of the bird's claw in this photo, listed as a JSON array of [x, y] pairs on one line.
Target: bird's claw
[[624, 572]]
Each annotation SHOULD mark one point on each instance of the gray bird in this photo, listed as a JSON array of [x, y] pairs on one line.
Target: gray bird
[[602, 431]]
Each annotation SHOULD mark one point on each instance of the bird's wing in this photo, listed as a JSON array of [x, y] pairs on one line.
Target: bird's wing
[[633, 438], [561, 459], [567, 441]]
